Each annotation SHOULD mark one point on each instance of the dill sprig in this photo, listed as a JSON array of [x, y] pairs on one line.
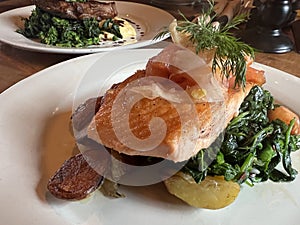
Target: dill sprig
[[206, 34], [230, 52]]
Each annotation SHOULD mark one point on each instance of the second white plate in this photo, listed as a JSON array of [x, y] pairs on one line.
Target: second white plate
[[148, 19]]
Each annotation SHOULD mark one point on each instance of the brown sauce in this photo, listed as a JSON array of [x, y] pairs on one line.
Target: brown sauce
[[57, 145], [58, 142]]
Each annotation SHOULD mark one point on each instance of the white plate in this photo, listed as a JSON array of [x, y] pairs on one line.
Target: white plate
[[149, 20], [27, 158]]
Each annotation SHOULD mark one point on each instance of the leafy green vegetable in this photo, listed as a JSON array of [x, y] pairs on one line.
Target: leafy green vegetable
[[253, 147], [111, 189], [112, 27], [56, 31]]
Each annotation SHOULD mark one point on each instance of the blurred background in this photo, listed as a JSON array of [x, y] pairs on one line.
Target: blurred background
[[270, 21]]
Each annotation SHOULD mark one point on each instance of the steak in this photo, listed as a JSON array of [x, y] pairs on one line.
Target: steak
[[78, 10]]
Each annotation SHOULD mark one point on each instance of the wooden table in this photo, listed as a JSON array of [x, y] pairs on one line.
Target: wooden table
[[17, 64]]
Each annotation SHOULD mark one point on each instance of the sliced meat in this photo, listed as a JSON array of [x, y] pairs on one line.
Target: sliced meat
[[213, 117], [85, 112], [78, 10], [75, 180]]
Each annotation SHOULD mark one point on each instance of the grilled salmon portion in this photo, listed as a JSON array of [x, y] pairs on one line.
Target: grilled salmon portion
[[145, 115]]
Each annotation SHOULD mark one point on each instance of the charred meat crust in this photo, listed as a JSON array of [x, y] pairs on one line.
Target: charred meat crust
[[78, 10]]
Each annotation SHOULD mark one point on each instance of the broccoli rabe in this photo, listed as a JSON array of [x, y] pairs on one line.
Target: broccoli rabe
[[252, 148], [52, 30]]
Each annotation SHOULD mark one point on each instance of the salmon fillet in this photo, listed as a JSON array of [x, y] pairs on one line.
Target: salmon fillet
[[188, 125]]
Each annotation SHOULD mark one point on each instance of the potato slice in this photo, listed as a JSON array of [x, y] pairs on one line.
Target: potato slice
[[212, 193]]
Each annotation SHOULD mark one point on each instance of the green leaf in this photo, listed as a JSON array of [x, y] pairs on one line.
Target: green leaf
[[253, 147], [61, 32]]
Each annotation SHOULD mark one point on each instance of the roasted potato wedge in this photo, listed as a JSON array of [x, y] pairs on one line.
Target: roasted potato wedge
[[212, 193]]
